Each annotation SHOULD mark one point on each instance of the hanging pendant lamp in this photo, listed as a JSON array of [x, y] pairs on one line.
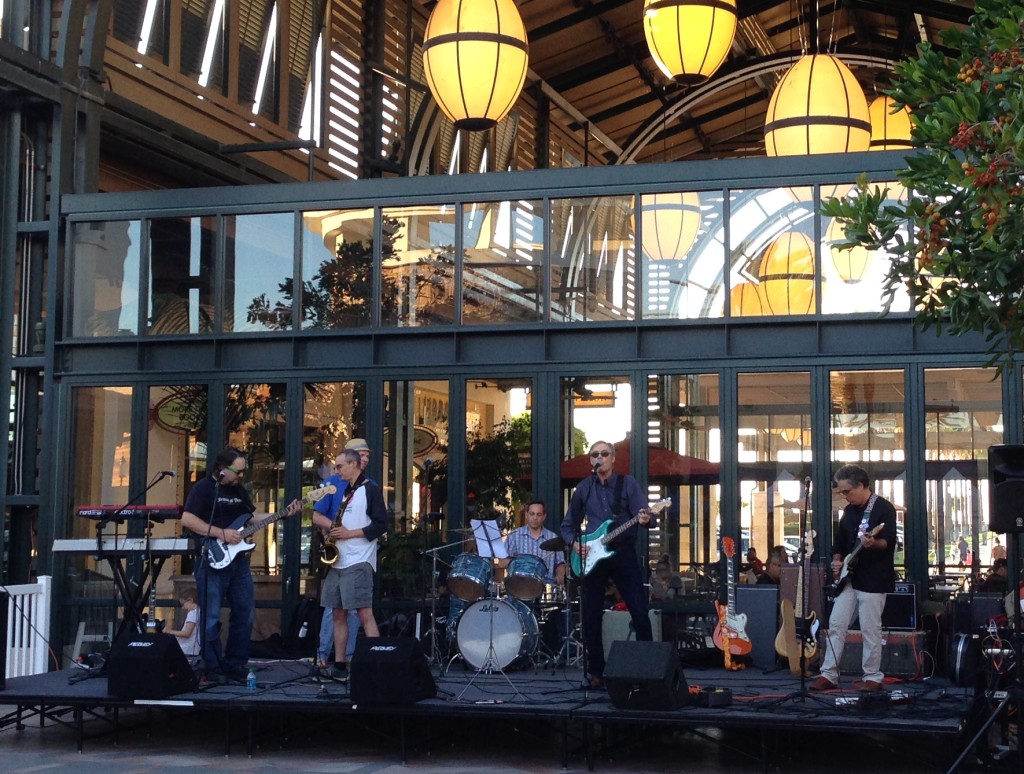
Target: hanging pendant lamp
[[475, 57], [818, 107], [851, 264], [745, 300], [669, 223], [889, 130], [786, 275], [689, 39]]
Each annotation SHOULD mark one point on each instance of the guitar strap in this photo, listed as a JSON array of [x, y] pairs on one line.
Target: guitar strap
[[348, 498], [867, 515]]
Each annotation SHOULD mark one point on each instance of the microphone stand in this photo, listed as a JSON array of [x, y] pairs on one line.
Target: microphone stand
[[582, 583], [433, 552]]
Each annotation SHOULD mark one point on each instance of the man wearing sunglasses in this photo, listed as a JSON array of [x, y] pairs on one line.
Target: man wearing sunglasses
[[223, 502], [607, 495]]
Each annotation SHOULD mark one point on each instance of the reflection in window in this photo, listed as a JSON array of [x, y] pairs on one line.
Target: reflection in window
[[418, 265], [338, 268], [258, 270], [683, 253], [868, 429], [101, 435], [105, 296], [593, 259], [503, 269], [774, 454], [963, 417], [181, 271], [683, 463]]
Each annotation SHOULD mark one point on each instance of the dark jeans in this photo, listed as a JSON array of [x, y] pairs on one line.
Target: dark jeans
[[623, 568], [234, 584]]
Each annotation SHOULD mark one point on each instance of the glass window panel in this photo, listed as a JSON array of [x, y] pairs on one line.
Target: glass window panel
[[593, 259], [683, 461], [963, 417], [333, 413], [105, 294], [418, 261], [853, 279], [868, 429], [415, 481], [338, 267], [774, 455], [258, 269], [181, 270], [683, 254], [503, 262], [771, 252]]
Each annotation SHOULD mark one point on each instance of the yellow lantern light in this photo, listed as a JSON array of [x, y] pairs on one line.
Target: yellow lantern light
[[786, 275], [669, 224], [851, 264], [889, 130], [689, 39], [475, 57], [745, 300], [818, 107]]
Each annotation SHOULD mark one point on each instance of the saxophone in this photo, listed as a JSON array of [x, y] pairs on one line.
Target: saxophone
[[329, 551]]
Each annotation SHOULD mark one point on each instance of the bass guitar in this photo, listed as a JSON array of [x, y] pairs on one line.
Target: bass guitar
[[219, 554], [798, 630], [851, 559], [596, 543], [731, 631]]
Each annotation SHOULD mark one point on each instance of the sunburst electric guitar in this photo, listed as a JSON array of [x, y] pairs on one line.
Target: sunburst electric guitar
[[731, 631], [851, 560], [220, 553], [596, 542]]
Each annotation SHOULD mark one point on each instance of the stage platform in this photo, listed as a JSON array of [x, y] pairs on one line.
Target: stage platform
[[766, 704]]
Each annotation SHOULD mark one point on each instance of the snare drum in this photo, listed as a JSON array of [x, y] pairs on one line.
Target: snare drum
[[506, 623], [525, 577], [470, 577]]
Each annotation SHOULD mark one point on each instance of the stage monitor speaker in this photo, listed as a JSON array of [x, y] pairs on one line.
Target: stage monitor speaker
[[759, 602], [148, 666], [900, 611], [1006, 488], [645, 676], [390, 670]]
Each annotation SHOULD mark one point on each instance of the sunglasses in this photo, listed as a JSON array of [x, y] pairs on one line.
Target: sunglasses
[[236, 472], [596, 454]]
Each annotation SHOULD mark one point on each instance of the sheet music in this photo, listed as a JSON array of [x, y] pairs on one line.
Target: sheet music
[[488, 539]]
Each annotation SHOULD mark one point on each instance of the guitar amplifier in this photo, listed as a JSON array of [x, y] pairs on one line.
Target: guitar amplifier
[[902, 654], [900, 611]]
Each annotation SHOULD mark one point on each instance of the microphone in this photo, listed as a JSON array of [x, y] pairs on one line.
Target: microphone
[[807, 481], [222, 474], [597, 466], [170, 473]]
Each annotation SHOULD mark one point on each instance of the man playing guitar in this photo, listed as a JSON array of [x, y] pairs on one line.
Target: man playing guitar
[[868, 525], [607, 496]]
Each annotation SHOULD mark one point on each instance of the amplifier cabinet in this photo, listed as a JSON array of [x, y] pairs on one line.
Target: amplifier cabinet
[[902, 654]]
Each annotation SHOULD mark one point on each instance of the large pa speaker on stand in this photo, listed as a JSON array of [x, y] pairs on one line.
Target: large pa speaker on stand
[[148, 666], [645, 676], [1006, 490], [390, 670]]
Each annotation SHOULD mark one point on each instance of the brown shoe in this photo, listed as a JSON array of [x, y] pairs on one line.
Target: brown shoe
[[596, 683], [823, 684], [868, 686]]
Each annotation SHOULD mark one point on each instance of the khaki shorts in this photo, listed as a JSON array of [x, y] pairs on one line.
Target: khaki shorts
[[350, 588]]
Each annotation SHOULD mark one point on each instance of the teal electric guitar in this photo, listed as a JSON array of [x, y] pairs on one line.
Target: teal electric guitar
[[596, 543]]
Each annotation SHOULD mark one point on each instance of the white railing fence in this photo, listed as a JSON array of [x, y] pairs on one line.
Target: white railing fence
[[28, 627]]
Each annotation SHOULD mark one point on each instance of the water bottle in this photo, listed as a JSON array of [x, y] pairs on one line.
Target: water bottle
[[250, 680], [304, 630]]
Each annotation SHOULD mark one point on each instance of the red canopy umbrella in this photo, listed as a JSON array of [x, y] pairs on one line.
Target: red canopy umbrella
[[663, 466]]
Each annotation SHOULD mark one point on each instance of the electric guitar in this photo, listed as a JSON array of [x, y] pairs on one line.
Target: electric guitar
[[797, 629], [851, 559], [219, 554], [731, 631], [596, 543]]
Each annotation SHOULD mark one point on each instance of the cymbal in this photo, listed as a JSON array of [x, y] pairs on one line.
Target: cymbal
[[553, 544], [462, 530]]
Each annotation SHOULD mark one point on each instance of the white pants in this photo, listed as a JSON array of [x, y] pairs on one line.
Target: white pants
[[868, 607]]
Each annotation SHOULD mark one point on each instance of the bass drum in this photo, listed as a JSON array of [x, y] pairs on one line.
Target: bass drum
[[964, 654], [506, 624]]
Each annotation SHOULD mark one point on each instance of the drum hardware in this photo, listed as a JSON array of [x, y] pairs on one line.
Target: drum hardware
[[434, 575], [489, 662]]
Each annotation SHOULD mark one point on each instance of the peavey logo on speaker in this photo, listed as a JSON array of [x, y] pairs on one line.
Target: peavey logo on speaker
[[383, 648], [140, 644]]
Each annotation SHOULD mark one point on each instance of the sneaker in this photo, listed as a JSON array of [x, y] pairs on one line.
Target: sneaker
[[823, 684], [339, 672], [868, 686]]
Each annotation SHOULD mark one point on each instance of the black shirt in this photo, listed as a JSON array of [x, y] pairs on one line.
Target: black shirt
[[873, 571]]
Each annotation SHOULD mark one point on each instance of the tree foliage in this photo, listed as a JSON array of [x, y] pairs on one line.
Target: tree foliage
[[963, 264]]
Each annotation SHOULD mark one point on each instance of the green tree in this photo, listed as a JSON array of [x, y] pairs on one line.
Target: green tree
[[963, 264]]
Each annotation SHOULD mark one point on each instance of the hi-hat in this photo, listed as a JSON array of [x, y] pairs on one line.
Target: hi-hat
[[553, 544]]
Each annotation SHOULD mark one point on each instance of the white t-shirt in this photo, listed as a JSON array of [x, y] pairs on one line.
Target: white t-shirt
[[356, 550], [190, 645]]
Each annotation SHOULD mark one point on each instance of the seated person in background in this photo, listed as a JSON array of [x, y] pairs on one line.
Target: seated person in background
[[188, 634], [995, 581], [665, 584], [773, 572], [753, 567]]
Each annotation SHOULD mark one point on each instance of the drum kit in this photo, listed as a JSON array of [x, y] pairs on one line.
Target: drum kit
[[492, 626]]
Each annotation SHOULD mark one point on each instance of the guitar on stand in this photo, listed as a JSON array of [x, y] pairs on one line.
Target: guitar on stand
[[730, 634], [799, 631]]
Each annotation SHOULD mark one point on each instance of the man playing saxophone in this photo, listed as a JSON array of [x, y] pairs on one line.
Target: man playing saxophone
[[362, 519]]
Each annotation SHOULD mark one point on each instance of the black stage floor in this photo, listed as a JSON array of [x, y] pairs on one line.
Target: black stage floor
[[930, 713]]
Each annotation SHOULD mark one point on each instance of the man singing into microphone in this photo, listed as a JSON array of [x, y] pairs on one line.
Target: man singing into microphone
[[607, 495]]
